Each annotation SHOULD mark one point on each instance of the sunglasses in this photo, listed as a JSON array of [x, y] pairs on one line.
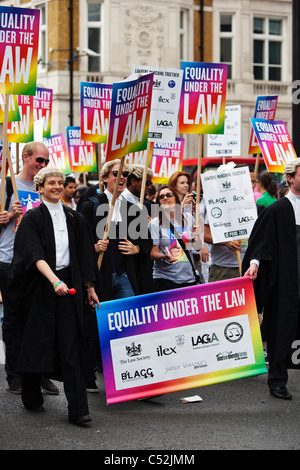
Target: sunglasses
[[162, 196], [42, 160], [124, 173]]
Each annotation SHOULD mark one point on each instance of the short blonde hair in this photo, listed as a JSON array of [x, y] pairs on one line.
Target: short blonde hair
[[44, 173], [107, 166], [31, 146]]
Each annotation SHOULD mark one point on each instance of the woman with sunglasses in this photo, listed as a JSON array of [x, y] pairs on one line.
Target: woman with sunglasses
[[172, 261]]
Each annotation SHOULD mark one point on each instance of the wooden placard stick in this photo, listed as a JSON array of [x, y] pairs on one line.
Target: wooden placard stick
[[4, 150], [256, 165], [112, 207], [198, 183], [142, 195], [99, 165]]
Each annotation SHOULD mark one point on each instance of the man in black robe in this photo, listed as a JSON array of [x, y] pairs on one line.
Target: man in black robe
[[272, 261], [128, 246], [49, 322]]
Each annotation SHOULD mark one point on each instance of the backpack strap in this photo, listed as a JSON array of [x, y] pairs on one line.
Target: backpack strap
[[9, 191]]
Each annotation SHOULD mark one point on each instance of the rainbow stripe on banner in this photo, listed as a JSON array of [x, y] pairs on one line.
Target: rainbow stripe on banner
[[19, 43], [129, 117], [180, 339], [203, 98]]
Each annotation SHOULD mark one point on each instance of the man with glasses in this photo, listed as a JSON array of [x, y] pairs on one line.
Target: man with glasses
[[123, 251], [134, 185], [35, 156]]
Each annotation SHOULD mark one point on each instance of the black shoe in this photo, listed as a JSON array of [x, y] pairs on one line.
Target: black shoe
[[280, 392], [48, 386], [91, 387], [81, 421], [37, 409], [15, 385]]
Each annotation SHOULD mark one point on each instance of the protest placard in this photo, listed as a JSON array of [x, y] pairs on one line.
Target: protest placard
[[29, 200], [95, 102], [82, 154], [229, 143], [58, 153], [129, 117], [265, 108], [19, 42], [42, 109], [229, 203], [13, 108], [166, 159], [203, 98], [22, 131], [275, 143], [175, 340], [165, 102]]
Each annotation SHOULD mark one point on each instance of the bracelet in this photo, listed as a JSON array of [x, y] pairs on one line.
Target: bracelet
[[55, 285]]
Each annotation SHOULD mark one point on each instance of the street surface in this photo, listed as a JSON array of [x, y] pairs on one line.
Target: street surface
[[236, 415]]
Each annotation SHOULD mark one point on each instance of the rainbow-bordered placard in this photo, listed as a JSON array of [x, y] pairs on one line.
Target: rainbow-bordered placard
[[129, 117], [203, 98], [22, 131], [82, 154], [42, 109], [95, 102], [19, 43], [58, 153], [166, 159], [275, 143], [13, 108], [265, 109], [179, 339]]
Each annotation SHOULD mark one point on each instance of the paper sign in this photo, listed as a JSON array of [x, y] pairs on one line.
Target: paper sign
[[13, 108], [19, 43], [179, 339], [82, 154], [129, 117], [229, 203], [203, 98], [166, 159], [22, 131], [29, 200], [229, 143], [265, 109], [42, 109], [165, 102], [58, 153], [95, 102], [275, 143]]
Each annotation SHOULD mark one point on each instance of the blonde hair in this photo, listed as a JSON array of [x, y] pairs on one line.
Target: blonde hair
[[29, 148]]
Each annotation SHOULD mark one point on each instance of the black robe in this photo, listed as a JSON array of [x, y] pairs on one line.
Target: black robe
[[31, 306], [273, 241], [136, 266]]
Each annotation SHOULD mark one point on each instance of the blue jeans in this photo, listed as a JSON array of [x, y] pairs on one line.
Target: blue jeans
[[121, 286]]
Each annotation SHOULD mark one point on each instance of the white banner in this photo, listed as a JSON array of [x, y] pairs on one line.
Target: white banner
[[229, 203], [165, 102]]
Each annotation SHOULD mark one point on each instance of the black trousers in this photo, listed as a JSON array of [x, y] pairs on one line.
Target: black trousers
[[68, 348]]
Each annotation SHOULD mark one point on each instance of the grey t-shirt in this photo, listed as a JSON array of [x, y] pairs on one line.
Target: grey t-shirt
[[181, 271], [7, 233]]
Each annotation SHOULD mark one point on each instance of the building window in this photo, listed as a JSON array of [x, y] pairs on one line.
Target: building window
[[267, 49], [42, 55], [94, 36], [183, 34], [226, 42]]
